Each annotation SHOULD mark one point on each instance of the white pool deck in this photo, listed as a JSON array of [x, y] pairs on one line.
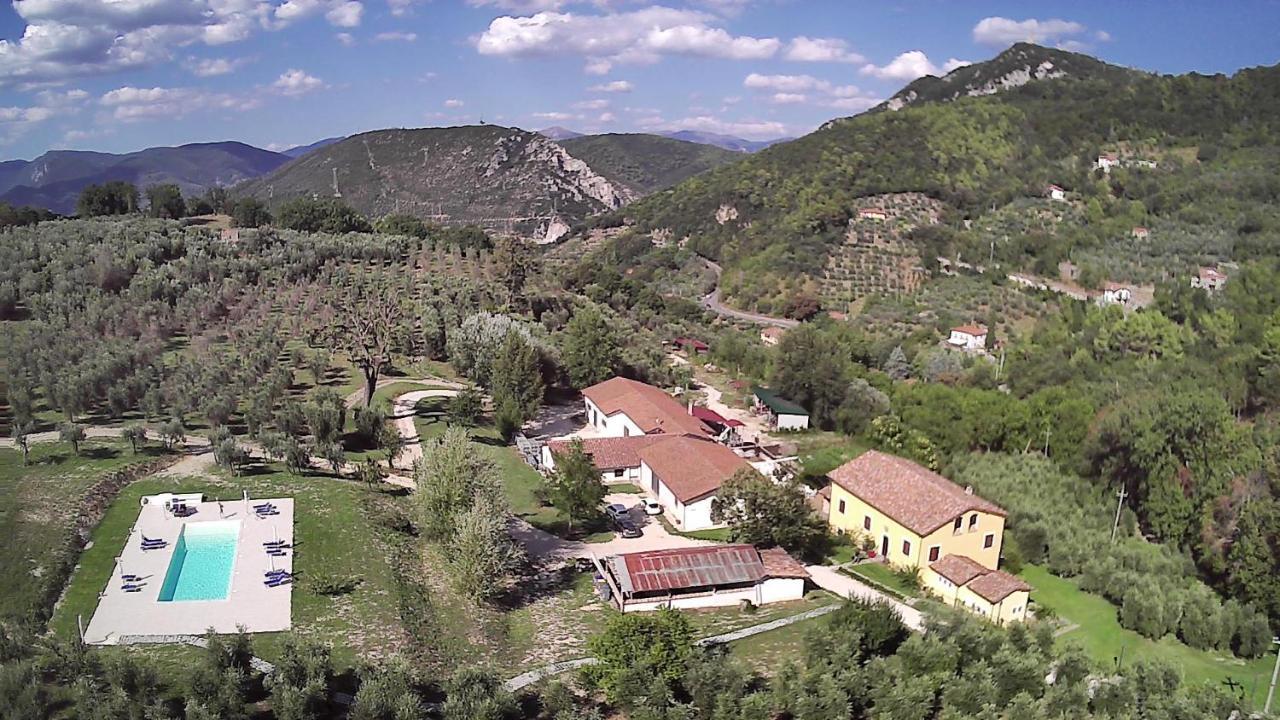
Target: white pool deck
[[121, 615]]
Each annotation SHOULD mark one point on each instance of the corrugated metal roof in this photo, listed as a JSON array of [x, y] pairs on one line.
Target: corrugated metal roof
[[683, 568]]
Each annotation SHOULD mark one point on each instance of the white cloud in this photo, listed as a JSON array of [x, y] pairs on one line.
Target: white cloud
[[554, 116], [750, 129], [453, 103], [346, 39], [400, 8], [645, 35], [210, 67], [597, 66], [65, 39], [788, 98], [617, 86], [607, 117], [954, 64], [591, 105], [1001, 31], [15, 121], [806, 49], [345, 14], [797, 89], [396, 36], [907, 66], [132, 103], [294, 82], [1102, 36], [520, 6], [784, 83]]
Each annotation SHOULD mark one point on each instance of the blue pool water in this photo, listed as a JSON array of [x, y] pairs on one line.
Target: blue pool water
[[203, 558]]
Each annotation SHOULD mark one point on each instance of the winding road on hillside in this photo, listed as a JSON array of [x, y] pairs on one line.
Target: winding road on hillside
[[711, 301]]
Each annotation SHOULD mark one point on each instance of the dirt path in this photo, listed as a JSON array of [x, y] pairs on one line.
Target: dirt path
[[357, 397], [711, 301]]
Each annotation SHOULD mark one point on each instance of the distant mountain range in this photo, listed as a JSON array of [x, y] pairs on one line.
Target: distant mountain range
[[725, 142], [54, 180], [300, 150]]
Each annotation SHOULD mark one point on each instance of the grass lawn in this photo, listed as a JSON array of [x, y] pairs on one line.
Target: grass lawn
[[335, 531], [821, 452], [767, 652], [881, 576], [1100, 634], [714, 534], [36, 506]]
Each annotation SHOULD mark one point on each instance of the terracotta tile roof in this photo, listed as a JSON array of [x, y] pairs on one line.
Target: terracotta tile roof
[[959, 569], [974, 330], [708, 415], [685, 568], [613, 453], [778, 563], [691, 467], [997, 585], [649, 407], [918, 498], [1208, 273]]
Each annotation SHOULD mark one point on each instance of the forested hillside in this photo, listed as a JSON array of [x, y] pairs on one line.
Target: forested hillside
[[1198, 156], [643, 163]]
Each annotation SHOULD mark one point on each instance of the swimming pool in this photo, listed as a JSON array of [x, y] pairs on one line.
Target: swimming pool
[[203, 558]]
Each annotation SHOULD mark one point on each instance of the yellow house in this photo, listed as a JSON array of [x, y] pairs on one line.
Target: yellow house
[[994, 594], [915, 515]]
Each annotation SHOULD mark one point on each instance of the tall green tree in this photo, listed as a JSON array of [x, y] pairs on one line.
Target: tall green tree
[[809, 370], [517, 376], [165, 201], [591, 348], [765, 513], [575, 488]]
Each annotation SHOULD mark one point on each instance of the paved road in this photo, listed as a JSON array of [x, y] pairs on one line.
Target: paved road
[[829, 579], [711, 301]]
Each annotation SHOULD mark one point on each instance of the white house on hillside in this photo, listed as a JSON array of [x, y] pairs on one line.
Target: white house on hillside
[[1115, 294], [1209, 279], [1053, 192], [968, 337], [1106, 162]]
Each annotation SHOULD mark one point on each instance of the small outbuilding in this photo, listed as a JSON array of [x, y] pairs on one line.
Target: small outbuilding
[[782, 413], [772, 335], [1053, 192], [963, 582], [702, 577], [1209, 279], [690, 345]]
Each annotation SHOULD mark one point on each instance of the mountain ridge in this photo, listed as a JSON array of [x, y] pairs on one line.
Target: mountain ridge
[[54, 180]]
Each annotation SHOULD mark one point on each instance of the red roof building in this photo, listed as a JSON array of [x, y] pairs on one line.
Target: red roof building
[[703, 577], [690, 345], [647, 408]]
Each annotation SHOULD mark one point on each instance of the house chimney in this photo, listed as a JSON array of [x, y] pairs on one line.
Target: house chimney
[[690, 406], [968, 489]]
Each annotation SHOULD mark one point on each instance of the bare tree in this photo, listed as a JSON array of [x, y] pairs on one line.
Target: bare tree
[[370, 320]]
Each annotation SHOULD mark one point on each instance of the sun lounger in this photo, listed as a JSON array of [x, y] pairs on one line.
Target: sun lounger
[[265, 513], [265, 506], [278, 553], [130, 578], [131, 586], [276, 572], [277, 582], [133, 589], [146, 539]]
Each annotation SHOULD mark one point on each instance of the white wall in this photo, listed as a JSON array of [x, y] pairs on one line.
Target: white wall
[[781, 590], [793, 422], [967, 341], [617, 425], [694, 516], [770, 591]]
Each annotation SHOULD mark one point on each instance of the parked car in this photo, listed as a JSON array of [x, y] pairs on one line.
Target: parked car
[[615, 511], [652, 507], [626, 528]]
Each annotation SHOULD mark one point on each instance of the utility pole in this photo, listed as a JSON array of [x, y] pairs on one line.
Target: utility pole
[[1275, 674], [1119, 504]]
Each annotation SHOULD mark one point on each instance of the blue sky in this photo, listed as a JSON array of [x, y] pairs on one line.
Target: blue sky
[[120, 75]]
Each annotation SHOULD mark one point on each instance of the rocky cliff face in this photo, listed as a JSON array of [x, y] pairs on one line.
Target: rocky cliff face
[[504, 179]]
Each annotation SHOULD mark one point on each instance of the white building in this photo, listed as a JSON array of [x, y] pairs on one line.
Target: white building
[[968, 337], [782, 413], [619, 407], [1209, 279], [1053, 192], [1106, 162], [873, 214], [1115, 294], [702, 577]]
